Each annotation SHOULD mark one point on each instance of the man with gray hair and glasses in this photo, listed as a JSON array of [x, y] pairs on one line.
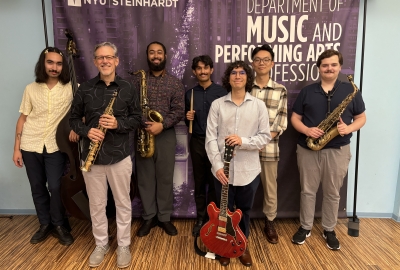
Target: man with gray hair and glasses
[[113, 163]]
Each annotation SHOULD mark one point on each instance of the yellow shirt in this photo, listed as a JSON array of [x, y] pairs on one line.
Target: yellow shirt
[[45, 108]]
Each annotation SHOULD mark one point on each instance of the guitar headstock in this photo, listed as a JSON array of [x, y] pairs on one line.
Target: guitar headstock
[[71, 46], [228, 152]]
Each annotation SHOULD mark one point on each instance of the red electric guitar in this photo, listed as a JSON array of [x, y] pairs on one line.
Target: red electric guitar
[[221, 234]]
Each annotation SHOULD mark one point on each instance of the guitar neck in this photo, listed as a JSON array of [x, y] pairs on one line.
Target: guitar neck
[[224, 192]]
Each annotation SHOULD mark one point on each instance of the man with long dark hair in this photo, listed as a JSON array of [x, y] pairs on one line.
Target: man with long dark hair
[[204, 93], [155, 174], [44, 104], [242, 120]]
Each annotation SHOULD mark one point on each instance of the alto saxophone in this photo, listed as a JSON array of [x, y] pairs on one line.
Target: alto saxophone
[[146, 140], [94, 147], [326, 125]]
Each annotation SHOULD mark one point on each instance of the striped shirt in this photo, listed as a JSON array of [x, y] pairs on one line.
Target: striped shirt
[[45, 108], [274, 96]]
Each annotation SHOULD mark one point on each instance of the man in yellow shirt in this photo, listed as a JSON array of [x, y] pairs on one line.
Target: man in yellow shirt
[[44, 103]]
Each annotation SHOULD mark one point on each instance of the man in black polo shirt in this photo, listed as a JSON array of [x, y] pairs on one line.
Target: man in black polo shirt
[[327, 166], [203, 95], [113, 163]]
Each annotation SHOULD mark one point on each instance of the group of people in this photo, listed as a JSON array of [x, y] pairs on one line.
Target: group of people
[[247, 111]]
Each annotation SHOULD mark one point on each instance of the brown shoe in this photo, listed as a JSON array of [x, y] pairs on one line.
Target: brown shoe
[[224, 261], [245, 259], [270, 231]]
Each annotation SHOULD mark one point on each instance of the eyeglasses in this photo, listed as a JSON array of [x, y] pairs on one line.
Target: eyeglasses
[[107, 57], [258, 61], [241, 73]]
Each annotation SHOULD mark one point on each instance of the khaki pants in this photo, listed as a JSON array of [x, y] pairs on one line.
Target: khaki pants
[[119, 178], [328, 167], [269, 172]]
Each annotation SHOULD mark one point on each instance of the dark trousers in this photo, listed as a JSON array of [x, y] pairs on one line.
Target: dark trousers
[[202, 176], [155, 177], [41, 169], [242, 197]]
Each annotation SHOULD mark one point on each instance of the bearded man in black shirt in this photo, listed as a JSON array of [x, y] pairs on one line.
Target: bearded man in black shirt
[[113, 163]]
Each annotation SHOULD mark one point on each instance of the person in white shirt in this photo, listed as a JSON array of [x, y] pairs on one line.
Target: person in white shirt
[[242, 120]]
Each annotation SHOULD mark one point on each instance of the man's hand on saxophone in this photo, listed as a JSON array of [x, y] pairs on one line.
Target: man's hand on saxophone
[[314, 132], [154, 128], [108, 121], [95, 135]]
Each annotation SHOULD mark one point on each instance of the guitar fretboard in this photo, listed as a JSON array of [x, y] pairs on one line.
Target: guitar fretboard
[[224, 192]]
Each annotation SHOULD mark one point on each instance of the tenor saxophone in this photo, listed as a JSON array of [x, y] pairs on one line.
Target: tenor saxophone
[[94, 147], [326, 125], [145, 141]]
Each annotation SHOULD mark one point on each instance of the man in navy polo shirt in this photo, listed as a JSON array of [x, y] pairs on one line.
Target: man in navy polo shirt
[[327, 166]]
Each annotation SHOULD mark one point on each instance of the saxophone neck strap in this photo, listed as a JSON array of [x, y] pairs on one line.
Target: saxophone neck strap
[[330, 94]]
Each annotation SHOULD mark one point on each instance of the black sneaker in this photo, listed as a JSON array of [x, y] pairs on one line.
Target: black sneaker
[[331, 240], [300, 236]]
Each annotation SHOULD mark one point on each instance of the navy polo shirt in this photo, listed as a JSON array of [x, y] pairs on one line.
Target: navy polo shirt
[[202, 99], [312, 105]]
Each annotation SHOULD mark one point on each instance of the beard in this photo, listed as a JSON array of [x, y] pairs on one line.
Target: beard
[[159, 67]]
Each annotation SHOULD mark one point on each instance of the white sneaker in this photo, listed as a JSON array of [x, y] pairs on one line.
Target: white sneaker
[[97, 255], [123, 257]]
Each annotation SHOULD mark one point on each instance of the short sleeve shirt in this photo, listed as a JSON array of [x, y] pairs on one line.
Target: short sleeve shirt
[[45, 109]]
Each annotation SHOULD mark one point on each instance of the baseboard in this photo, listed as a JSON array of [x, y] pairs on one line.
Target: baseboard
[[17, 212], [397, 218], [371, 215]]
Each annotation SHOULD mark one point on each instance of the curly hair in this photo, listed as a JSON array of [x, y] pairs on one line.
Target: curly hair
[[40, 69], [246, 68]]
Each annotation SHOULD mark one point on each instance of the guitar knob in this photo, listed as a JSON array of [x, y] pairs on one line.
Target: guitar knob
[[234, 251], [240, 242], [233, 243], [241, 249]]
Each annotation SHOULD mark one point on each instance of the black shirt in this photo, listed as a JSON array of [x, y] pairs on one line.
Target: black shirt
[[202, 99], [312, 105], [90, 101]]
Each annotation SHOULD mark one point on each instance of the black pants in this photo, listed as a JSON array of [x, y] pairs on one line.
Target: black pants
[[204, 190], [155, 177], [41, 169], [243, 198]]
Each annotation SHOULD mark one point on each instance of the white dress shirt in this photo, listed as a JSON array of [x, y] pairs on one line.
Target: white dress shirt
[[248, 120]]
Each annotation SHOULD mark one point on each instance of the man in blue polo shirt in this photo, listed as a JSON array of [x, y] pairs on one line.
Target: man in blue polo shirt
[[327, 166]]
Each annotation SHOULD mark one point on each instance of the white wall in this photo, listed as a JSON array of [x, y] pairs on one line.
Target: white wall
[[22, 38], [379, 145]]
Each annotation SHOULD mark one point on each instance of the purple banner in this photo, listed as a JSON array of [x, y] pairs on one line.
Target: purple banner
[[228, 30]]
